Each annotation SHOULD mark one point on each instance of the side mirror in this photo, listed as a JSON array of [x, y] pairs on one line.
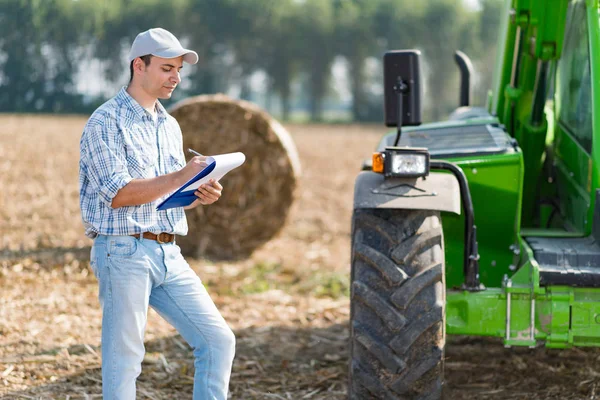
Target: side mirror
[[402, 88]]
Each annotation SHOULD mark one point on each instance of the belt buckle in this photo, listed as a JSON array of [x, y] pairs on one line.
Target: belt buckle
[[158, 238]]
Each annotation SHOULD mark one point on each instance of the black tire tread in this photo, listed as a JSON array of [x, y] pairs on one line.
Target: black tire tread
[[405, 340], [373, 386], [403, 384], [403, 297], [379, 350], [387, 268], [382, 226], [406, 251], [393, 319], [397, 307]]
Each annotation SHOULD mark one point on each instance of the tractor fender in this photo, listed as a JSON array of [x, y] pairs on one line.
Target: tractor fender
[[437, 191]]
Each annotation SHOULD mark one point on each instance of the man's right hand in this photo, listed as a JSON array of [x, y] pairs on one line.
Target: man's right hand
[[195, 165]]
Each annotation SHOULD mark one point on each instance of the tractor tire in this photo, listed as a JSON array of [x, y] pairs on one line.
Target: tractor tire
[[398, 305]]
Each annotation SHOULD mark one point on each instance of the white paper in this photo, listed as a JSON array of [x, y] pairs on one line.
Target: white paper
[[223, 164]]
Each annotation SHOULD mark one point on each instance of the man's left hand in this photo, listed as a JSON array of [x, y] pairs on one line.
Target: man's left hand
[[207, 193]]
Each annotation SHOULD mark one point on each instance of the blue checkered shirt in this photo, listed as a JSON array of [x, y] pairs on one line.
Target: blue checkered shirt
[[120, 142]]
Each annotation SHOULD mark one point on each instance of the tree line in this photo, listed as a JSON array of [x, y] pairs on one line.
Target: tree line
[[45, 44]]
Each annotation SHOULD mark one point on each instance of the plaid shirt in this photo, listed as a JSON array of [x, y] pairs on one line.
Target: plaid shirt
[[120, 142]]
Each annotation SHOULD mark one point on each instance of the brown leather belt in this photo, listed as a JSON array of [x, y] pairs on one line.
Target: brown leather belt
[[162, 237]]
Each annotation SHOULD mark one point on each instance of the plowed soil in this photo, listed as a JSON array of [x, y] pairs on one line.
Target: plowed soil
[[287, 304]]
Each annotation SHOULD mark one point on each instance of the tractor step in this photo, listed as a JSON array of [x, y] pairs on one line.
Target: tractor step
[[567, 261]]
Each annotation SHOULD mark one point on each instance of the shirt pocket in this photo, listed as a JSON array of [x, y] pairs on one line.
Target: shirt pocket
[[141, 164]]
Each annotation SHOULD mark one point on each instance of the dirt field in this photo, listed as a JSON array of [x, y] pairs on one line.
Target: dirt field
[[288, 304]]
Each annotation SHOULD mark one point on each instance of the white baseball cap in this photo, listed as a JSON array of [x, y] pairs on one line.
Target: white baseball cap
[[161, 43]]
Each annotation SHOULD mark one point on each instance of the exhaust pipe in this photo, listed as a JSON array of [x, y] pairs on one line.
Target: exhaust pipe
[[466, 69]]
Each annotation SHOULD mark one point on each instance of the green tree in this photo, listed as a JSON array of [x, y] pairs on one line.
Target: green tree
[[121, 20], [277, 54], [21, 83], [485, 56], [41, 41], [43, 44], [439, 32], [356, 40], [315, 26]]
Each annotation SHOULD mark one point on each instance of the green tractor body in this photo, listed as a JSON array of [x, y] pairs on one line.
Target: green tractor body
[[532, 162]]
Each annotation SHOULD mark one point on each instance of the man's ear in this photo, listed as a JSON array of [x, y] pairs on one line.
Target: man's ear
[[139, 65]]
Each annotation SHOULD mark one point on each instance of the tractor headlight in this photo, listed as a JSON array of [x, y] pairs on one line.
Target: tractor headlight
[[402, 162]]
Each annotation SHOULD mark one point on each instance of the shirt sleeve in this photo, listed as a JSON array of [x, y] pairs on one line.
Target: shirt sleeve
[[106, 161]]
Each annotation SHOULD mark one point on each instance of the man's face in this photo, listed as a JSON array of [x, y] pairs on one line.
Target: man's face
[[161, 76]]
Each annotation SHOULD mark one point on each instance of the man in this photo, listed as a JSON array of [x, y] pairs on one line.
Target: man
[[131, 159]]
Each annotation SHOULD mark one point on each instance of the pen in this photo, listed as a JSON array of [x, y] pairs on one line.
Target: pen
[[195, 152]]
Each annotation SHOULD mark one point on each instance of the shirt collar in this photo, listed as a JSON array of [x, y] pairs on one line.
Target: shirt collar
[[160, 110], [129, 101]]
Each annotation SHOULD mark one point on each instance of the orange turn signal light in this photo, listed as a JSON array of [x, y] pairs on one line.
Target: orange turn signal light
[[378, 159]]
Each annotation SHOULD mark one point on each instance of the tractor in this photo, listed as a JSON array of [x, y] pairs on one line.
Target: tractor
[[488, 223]]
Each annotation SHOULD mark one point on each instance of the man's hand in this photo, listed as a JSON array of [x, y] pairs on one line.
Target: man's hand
[[207, 193], [195, 165]]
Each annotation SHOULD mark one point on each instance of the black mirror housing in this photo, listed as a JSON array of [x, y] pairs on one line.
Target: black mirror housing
[[402, 77]]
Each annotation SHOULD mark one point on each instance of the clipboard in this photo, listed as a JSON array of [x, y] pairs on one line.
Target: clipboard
[[218, 166]]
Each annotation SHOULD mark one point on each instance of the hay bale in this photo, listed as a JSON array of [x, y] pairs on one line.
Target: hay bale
[[256, 196]]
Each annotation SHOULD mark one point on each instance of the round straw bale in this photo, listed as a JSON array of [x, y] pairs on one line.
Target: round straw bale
[[257, 195]]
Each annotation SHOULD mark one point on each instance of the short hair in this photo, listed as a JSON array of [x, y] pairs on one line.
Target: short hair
[[146, 60]]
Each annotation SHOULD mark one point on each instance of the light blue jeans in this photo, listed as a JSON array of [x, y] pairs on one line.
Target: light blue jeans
[[134, 273]]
